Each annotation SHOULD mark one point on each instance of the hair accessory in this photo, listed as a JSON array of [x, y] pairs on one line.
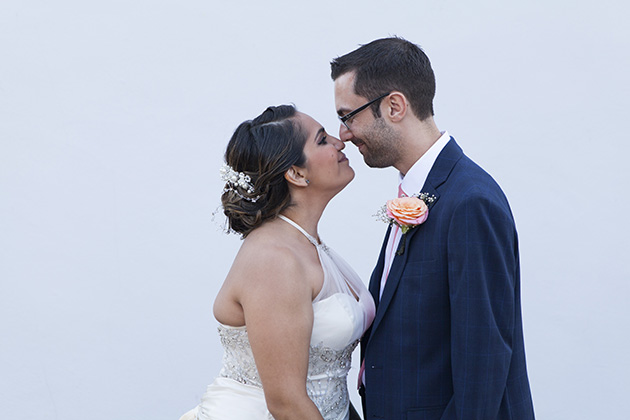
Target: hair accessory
[[237, 179]]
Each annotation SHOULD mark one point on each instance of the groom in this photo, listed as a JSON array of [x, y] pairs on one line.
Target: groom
[[447, 340]]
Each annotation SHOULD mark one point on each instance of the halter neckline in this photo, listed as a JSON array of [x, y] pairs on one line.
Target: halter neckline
[[298, 227]]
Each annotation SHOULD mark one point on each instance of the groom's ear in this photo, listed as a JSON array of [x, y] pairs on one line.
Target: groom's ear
[[397, 106], [296, 176]]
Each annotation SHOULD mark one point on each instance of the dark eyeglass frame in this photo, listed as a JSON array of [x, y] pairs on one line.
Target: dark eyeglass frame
[[351, 114]]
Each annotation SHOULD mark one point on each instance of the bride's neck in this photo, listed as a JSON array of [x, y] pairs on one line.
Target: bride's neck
[[305, 215]]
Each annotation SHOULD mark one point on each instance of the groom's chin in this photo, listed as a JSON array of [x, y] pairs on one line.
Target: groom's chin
[[372, 164]]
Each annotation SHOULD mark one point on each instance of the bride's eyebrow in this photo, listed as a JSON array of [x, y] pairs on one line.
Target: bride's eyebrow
[[320, 131]]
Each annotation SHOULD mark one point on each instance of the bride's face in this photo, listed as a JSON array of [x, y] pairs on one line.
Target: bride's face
[[327, 167]]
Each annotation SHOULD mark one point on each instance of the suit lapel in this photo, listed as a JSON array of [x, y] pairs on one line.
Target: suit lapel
[[439, 173], [443, 166], [375, 279]]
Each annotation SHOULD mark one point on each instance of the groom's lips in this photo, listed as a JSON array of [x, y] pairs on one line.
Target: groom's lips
[[359, 144]]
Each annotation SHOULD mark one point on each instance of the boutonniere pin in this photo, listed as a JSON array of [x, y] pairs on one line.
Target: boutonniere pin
[[406, 212]]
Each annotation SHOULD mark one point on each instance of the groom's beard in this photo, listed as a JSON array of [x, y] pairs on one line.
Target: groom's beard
[[382, 145]]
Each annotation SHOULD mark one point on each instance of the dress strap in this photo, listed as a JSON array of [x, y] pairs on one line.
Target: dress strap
[[298, 227]]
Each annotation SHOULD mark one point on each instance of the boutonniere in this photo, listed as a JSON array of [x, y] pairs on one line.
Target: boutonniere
[[406, 212]]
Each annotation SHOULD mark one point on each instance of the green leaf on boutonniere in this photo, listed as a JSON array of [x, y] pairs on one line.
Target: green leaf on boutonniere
[[401, 245]]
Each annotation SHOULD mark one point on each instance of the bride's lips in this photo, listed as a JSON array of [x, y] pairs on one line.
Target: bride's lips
[[343, 158]]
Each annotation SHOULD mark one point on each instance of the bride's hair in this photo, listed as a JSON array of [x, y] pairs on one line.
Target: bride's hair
[[263, 149]]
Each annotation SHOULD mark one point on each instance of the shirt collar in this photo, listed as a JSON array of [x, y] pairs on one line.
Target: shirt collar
[[416, 176]]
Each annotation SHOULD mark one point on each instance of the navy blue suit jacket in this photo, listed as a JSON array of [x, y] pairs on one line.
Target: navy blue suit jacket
[[447, 339]]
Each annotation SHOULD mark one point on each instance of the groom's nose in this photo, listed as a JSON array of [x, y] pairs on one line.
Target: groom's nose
[[344, 133]]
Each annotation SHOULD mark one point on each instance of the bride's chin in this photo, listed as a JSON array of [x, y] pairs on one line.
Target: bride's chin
[[350, 178], [351, 174]]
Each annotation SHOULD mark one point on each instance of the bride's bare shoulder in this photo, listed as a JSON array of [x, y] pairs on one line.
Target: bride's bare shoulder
[[267, 239], [268, 253]]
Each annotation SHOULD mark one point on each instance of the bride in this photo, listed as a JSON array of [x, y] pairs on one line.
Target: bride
[[290, 311]]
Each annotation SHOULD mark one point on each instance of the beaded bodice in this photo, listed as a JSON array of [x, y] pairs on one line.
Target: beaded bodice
[[326, 381], [238, 359]]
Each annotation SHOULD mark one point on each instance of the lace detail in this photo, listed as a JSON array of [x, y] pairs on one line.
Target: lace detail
[[238, 359], [326, 381], [326, 384]]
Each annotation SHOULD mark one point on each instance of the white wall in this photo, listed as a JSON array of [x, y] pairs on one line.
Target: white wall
[[113, 119]]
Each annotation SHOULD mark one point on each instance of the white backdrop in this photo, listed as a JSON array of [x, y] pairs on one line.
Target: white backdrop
[[114, 116]]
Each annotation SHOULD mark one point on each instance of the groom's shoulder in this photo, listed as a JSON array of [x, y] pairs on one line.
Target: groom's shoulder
[[464, 169], [469, 180], [468, 171]]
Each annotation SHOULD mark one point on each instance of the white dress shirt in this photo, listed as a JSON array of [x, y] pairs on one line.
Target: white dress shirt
[[411, 183]]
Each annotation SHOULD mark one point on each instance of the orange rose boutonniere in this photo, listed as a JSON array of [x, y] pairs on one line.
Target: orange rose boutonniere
[[406, 212]]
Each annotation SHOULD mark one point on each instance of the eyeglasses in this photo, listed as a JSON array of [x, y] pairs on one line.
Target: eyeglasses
[[344, 119]]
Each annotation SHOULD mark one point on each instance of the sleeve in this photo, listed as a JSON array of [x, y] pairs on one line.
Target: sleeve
[[483, 270]]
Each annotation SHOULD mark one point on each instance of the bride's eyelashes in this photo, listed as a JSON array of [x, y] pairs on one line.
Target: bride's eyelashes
[[323, 140]]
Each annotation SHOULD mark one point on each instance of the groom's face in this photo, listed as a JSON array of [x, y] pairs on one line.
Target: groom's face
[[376, 140]]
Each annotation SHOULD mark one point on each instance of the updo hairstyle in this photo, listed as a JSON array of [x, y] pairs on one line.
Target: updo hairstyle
[[263, 148]]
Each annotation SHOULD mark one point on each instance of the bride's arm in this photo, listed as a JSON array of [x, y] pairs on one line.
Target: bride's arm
[[278, 313]]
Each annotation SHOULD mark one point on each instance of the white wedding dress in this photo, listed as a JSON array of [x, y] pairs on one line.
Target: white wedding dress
[[339, 321]]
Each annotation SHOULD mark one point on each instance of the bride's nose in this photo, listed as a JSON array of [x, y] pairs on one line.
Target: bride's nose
[[339, 145]]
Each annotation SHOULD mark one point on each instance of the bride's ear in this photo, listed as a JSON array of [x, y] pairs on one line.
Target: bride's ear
[[295, 176]]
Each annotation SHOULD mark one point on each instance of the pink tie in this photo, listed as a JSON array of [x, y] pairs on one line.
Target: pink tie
[[396, 231]]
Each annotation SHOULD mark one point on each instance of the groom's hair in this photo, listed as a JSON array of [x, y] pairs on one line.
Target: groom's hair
[[387, 65]]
